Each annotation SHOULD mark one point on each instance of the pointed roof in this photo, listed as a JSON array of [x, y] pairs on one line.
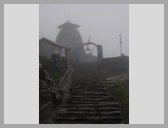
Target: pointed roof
[[68, 24]]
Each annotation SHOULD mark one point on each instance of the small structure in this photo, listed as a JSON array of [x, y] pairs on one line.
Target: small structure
[[89, 57], [48, 48]]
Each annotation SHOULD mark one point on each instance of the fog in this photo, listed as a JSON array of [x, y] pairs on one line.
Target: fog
[[102, 22]]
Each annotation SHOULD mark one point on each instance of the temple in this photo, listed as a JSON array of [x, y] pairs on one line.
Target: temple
[[70, 37]]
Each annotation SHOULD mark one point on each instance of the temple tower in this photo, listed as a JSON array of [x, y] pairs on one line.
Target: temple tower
[[70, 37]]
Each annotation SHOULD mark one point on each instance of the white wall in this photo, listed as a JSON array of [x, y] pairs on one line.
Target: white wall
[[146, 50]]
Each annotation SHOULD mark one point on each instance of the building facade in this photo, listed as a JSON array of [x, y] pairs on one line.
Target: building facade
[[70, 37], [47, 48]]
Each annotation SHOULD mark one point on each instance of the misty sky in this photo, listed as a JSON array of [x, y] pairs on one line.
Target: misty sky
[[102, 21]]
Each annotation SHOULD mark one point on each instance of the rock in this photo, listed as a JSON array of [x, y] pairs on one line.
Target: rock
[[48, 89]]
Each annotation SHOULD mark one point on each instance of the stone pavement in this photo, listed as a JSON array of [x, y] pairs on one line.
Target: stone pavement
[[88, 101]]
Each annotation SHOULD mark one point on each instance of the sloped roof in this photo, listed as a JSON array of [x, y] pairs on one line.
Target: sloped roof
[[51, 42]]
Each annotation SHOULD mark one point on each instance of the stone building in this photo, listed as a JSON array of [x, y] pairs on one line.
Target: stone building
[[48, 47], [70, 37]]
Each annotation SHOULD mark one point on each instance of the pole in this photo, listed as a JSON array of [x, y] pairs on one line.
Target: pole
[[120, 36], [66, 69]]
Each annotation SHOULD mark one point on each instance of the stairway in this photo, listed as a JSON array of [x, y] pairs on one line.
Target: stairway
[[88, 101]]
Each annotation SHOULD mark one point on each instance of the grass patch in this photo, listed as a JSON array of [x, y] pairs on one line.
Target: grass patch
[[48, 65], [123, 95]]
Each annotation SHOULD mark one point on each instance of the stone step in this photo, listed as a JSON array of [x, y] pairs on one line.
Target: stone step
[[84, 79], [91, 99], [84, 109], [88, 94], [79, 114], [111, 120], [87, 85], [89, 91], [82, 102], [90, 106], [89, 88], [109, 105], [99, 89]]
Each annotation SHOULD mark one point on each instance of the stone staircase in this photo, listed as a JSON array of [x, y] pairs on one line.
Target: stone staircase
[[88, 101]]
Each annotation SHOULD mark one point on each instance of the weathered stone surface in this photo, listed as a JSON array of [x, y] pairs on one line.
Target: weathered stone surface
[[91, 97], [49, 93], [89, 101]]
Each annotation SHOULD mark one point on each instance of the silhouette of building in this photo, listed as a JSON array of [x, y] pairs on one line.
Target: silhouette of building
[[70, 37], [47, 48]]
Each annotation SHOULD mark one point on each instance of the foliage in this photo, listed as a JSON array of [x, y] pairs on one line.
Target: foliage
[[123, 95], [48, 65]]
